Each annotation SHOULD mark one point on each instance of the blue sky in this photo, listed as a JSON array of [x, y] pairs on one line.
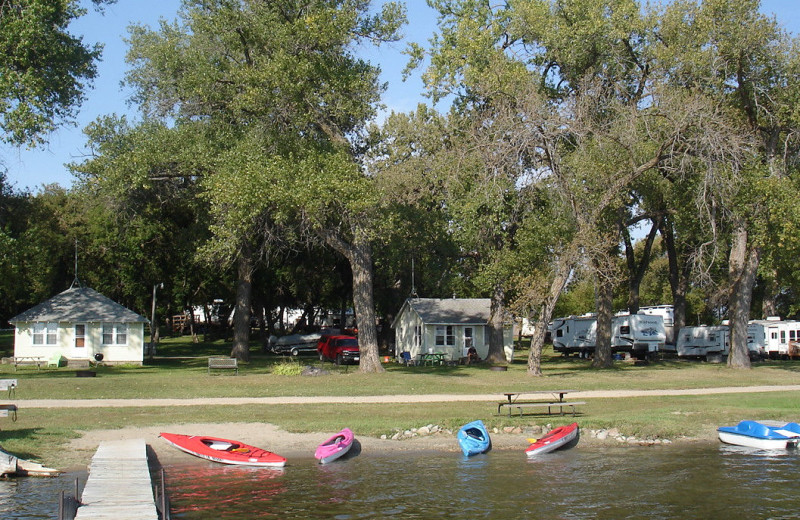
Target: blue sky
[[34, 168]]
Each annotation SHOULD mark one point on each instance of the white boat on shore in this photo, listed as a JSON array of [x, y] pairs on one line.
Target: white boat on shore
[[754, 434]]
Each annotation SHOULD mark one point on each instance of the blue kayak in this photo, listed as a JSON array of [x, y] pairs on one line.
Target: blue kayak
[[474, 438]]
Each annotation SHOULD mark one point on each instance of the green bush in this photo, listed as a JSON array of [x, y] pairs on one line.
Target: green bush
[[287, 368]]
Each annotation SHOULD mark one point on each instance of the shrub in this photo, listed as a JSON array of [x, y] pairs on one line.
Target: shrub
[[287, 368]]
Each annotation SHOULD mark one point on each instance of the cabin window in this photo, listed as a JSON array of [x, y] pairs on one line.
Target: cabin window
[[791, 335], [625, 329], [418, 336], [783, 336], [445, 335], [45, 333], [712, 337], [115, 334], [559, 333]]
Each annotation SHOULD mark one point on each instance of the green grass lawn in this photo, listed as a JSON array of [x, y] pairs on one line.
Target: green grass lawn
[[180, 371]]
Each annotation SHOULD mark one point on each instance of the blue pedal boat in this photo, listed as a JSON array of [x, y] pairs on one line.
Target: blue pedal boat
[[474, 438], [754, 434]]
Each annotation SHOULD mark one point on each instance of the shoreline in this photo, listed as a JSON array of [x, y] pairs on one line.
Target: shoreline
[[302, 445]]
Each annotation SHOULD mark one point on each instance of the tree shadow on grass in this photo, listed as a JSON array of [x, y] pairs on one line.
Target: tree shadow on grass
[[28, 435]]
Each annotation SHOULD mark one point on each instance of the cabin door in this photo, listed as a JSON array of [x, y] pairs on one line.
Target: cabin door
[[469, 341], [80, 347]]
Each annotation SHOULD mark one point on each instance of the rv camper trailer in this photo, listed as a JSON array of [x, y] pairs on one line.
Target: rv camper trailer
[[639, 334], [771, 337], [574, 334], [703, 341], [667, 312]]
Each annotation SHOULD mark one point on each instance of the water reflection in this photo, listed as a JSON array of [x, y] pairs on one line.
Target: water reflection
[[35, 498], [678, 482], [609, 483]]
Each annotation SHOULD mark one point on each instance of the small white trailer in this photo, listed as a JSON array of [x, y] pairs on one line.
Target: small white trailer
[[639, 334], [703, 341], [574, 334], [771, 337]]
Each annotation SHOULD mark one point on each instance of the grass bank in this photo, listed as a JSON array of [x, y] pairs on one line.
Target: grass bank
[[181, 372]]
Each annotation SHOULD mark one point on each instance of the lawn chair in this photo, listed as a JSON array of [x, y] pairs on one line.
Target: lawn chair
[[54, 361], [406, 359]]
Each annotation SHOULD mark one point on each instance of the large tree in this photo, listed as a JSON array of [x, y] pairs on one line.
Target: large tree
[[577, 77], [729, 50], [276, 87], [44, 69]]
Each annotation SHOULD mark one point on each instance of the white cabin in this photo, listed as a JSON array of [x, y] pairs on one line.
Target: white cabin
[[639, 334], [447, 326], [80, 324]]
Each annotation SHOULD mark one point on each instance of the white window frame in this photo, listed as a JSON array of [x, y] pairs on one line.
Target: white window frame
[[445, 336], [47, 332], [115, 333], [417, 336]]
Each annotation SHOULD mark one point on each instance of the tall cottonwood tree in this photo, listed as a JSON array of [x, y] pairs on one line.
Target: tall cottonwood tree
[[276, 87], [578, 76], [729, 50]]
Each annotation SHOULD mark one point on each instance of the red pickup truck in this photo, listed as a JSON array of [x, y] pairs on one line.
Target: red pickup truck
[[339, 349]]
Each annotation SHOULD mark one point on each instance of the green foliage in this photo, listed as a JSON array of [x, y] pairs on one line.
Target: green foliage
[[45, 68], [287, 368]]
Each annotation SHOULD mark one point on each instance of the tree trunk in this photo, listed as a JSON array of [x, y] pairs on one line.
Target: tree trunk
[[678, 280], [769, 303], [241, 317], [497, 353], [563, 270], [359, 254], [743, 265], [637, 270], [605, 299]]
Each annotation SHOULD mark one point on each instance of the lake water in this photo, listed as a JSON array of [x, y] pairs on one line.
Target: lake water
[[677, 482]]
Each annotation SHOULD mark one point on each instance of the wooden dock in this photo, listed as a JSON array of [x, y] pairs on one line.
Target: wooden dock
[[119, 485]]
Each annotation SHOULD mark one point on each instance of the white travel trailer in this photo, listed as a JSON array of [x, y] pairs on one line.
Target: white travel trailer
[[703, 341], [667, 312], [574, 334], [639, 334], [771, 337]]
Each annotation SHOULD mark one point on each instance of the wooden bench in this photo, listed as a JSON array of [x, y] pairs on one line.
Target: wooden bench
[[223, 364], [29, 360], [550, 406]]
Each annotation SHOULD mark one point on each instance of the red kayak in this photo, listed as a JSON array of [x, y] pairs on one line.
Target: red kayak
[[224, 450], [554, 439]]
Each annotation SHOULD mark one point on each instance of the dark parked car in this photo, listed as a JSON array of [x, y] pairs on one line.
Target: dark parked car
[[339, 349]]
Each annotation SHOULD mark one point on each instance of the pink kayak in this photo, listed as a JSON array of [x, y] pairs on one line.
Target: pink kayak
[[555, 439], [224, 450], [334, 447]]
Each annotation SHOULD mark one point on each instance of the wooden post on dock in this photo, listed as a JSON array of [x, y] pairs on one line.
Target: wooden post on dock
[[119, 484]]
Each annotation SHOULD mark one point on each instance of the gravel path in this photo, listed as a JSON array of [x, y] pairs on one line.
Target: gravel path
[[379, 399]]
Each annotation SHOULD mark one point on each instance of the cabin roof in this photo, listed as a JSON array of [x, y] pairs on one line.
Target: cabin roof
[[78, 304], [449, 311]]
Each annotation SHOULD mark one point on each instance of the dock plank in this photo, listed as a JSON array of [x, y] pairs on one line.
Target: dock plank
[[119, 484]]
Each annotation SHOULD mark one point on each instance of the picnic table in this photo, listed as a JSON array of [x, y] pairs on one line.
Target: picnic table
[[556, 401], [432, 358], [29, 360]]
